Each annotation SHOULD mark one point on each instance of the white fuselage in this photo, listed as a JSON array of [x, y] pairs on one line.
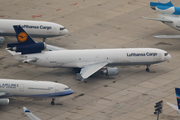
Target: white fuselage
[[175, 19], [26, 88], [33, 28], [82, 58]]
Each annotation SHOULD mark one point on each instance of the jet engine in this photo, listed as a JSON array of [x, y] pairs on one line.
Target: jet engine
[[4, 101], [1, 40], [30, 48], [110, 71]]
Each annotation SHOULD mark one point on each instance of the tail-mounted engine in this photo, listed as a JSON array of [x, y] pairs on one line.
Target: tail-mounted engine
[[27, 48], [1, 40]]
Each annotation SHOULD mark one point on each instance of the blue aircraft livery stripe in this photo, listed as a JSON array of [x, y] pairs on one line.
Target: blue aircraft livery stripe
[[177, 11], [58, 94], [27, 111], [169, 4]]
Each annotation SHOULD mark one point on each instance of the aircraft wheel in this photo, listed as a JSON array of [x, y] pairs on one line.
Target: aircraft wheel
[[52, 103], [147, 69]]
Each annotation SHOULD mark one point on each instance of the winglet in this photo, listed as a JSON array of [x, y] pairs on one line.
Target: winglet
[[30, 115], [26, 110], [177, 90]]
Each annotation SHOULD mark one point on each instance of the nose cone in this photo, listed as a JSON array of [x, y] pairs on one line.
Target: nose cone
[[168, 56], [70, 92], [65, 31]]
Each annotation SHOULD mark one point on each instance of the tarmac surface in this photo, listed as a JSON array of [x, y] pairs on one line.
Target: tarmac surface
[[96, 24]]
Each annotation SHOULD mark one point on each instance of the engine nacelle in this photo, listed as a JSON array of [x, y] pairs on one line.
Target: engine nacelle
[[110, 71], [4, 101], [1, 40], [30, 48]]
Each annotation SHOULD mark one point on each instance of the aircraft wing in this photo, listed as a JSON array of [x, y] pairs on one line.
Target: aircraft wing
[[89, 70], [54, 48], [173, 106], [30, 115], [167, 36], [159, 19], [33, 59]]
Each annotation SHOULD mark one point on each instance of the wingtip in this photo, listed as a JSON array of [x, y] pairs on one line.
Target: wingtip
[[25, 110]]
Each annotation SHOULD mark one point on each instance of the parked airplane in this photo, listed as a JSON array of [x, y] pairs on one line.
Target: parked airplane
[[177, 108], [26, 88], [30, 115], [40, 29], [89, 61], [170, 16]]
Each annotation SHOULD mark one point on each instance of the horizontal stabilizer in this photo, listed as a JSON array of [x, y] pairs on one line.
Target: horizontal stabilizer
[[30, 115], [167, 36], [34, 59], [11, 52], [173, 106], [54, 48], [158, 19]]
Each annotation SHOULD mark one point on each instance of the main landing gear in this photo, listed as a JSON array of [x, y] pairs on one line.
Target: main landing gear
[[44, 39], [52, 102], [147, 69]]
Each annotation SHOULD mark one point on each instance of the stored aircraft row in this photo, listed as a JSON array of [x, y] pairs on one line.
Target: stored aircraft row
[[169, 16], [39, 29], [88, 61]]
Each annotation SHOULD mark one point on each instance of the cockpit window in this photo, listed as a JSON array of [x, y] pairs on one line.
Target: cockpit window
[[62, 28], [165, 54], [66, 88]]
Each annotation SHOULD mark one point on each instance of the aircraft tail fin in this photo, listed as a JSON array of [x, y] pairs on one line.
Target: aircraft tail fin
[[178, 97], [22, 37], [30, 115]]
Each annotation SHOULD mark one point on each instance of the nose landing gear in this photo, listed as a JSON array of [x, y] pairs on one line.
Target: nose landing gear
[[52, 102]]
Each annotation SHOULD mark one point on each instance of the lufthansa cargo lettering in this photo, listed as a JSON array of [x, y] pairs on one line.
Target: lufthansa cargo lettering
[[141, 54], [36, 27]]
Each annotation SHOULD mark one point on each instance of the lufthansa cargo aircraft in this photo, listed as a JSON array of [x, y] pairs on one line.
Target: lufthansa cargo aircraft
[[169, 16], [39, 29], [177, 108], [88, 61], [27, 88]]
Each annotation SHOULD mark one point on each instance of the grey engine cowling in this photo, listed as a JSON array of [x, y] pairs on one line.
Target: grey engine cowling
[[4, 101], [1, 40], [110, 71]]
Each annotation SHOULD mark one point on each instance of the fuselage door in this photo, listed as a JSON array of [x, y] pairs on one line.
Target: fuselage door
[[21, 89], [56, 89], [178, 24]]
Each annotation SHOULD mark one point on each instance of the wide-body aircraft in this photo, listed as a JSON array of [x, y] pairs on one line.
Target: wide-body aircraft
[[27, 88], [41, 29], [88, 61], [169, 16]]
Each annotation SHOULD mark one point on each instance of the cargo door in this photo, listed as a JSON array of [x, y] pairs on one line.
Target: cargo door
[[21, 88]]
